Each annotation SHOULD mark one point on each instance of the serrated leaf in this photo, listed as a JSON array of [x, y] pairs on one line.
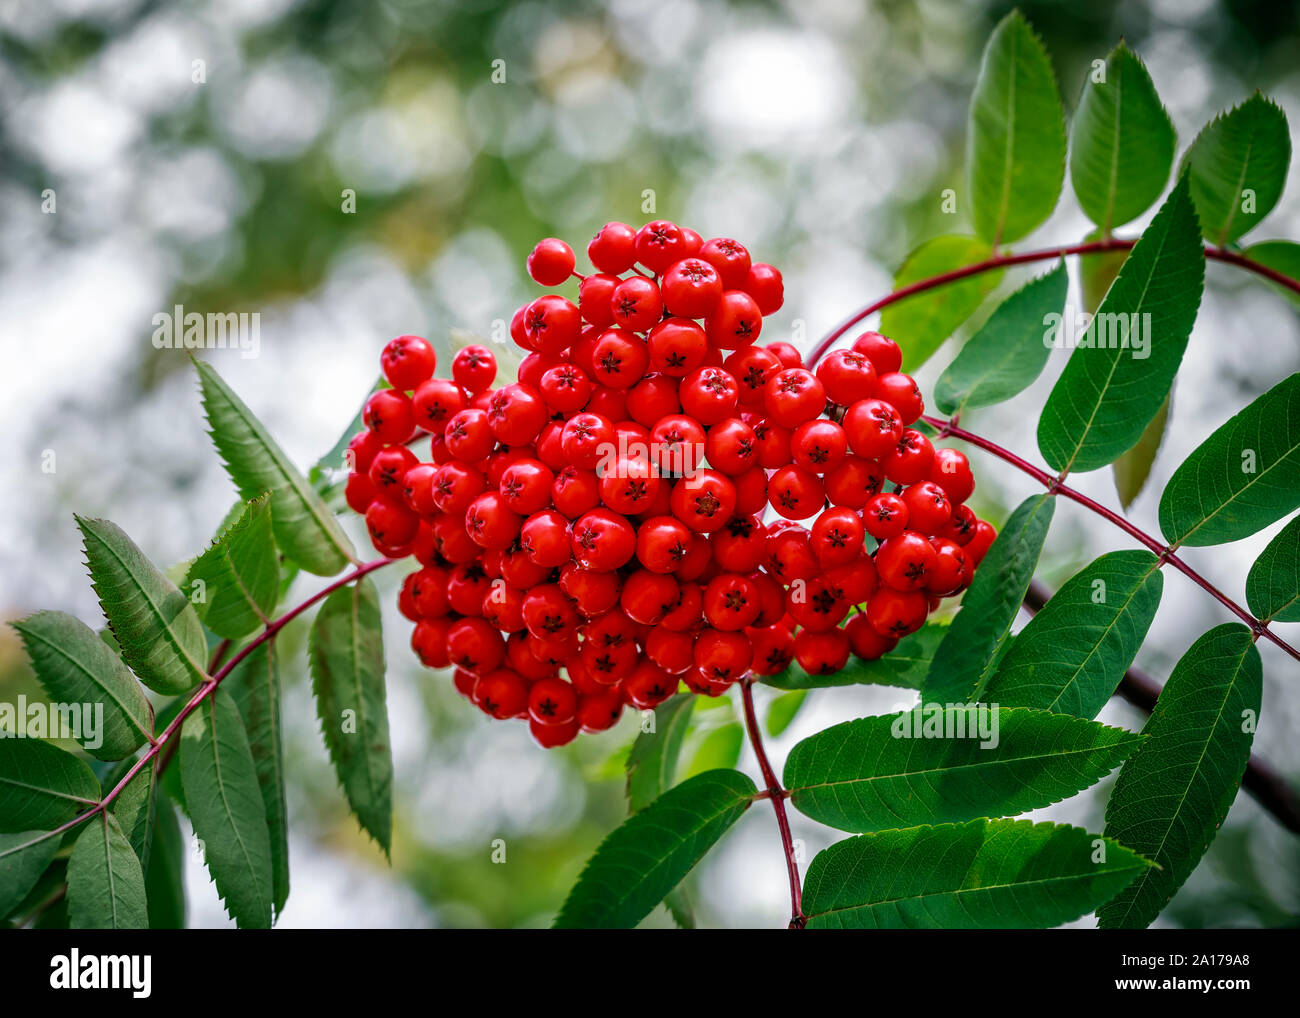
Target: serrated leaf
[[346, 651], [944, 764], [965, 657], [783, 710], [1273, 585], [645, 858], [1115, 381], [1073, 653], [225, 806], [652, 761], [24, 856], [1238, 166], [1173, 793], [156, 627], [905, 666], [41, 786], [105, 881], [1241, 478], [718, 750], [1281, 255], [305, 530], [240, 574], [986, 874], [254, 685], [76, 667], [1121, 143], [164, 877], [921, 323], [1015, 144], [1004, 357]]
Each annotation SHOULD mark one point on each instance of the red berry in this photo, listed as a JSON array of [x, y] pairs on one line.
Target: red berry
[[435, 401], [636, 304], [853, 482], [773, 649], [629, 486], [730, 259], [677, 346], [951, 471], [794, 396], [848, 377], [648, 686], [575, 491], [787, 353], [613, 248], [388, 469], [952, 568], [429, 640], [473, 644], [885, 516], [490, 521], [662, 543], [979, 545], [709, 395], [551, 262], [773, 444], [526, 486], [731, 602], [474, 368], [647, 597], [884, 353], [552, 702], [764, 284], [928, 508], [677, 444], [603, 540], [732, 446], [417, 488], [896, 613], [619, 359], [599, 711], [873, 428], [660, 244], [390, 523], [735, 322], [407, 361], [652, 399], [910, 460], [837, 537], [552, 324], [722, 657], [865, 641], [359, 492], [704, 501], [516, 414], [502, 693], [905, 562], [819, 446], [902, 391], [796, 493], [751, 367], [468, 435], [692, 288], [361, 451], [822, 653]]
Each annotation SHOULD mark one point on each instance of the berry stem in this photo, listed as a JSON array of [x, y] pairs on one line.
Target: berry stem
[[1269, 788], [1046, 254], [209, 685], [1164, 552], [778, 796]]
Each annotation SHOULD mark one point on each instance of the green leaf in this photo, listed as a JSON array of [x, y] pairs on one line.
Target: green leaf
[[225, 806], [944, 764], [652, 761], [1115, 381], [157, 629], [76, 667], [346, 650], [1097, 273], [965, 658], [1174, 792], [1004, 357], [239, 574], [164, 877], [305, 530], [1071, 656], [986, 874], [1133, 468], [41, 786], [105, 881], [1281, 255], [135, 805], [783, 710], [921, 323], [1015, 145], [1241, 478], [23, 858], [1121, 143], [1273, 586], [640, 862], [718, 750], [1238, 165], [254, 685], [905, 666]]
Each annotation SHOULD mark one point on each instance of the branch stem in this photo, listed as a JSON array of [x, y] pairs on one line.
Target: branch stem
[[777, 795]]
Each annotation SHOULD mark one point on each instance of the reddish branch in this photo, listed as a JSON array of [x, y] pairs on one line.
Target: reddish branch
[[209, 685], [777, 795], [1269, 788], [1047, 254]]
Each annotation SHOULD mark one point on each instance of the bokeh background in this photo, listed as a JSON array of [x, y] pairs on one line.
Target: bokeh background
[[818, 132]]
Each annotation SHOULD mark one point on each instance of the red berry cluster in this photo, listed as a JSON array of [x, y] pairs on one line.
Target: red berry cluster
[[626, 516]]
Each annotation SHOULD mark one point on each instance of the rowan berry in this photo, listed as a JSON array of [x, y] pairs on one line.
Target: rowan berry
[[691, 288], [735, 322], [677, 346], [474, 368], [551, 262], [407, 361], [613, 248], [793, 396], [883, 352]]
